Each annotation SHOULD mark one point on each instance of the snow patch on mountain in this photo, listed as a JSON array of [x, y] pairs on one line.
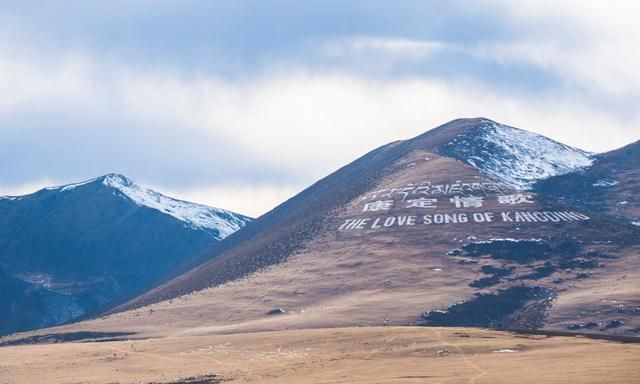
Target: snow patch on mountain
[[514, 156], [219, 222], [41, 280], [605, 183], [195, 215], [70, 187], [509, 239]]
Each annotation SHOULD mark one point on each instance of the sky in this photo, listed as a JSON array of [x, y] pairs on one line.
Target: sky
[[242, 104]]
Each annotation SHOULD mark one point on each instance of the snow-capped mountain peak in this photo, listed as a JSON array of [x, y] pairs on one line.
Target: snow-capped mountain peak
[[218, 222], [513, 156], [195, 215], [72, 249]]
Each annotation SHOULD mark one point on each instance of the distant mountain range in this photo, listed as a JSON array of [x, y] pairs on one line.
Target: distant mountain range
[[473, 223], [75, 250]]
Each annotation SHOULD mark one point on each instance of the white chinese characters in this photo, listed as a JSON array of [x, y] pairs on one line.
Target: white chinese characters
[[467, 201], [422, 202], [380, 205], [515, 199]]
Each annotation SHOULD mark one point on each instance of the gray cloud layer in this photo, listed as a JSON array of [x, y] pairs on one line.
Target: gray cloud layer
[[257, 101]]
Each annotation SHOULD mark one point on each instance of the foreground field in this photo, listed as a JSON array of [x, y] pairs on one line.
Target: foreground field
[[340, 355]]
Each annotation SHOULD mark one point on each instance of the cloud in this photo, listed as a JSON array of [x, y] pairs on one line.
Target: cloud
[[248, 140], [24, 189], [248, 199], [591, 44], [370, 45]]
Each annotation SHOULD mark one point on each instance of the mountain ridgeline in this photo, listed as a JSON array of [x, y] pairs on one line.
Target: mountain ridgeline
[[78, 249], [473, 223]]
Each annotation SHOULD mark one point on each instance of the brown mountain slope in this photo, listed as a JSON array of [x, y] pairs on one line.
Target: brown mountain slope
[[411, 233], [282, 231], [405, 235]]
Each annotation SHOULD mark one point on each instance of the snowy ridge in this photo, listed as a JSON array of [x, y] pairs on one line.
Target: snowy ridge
[[195, 215], [514, 156], [605, 183], [219, 222], [70, 187], [509, 239]]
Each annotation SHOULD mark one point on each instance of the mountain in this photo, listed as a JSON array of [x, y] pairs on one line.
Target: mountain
[[609, 186], [530, 157], [77, 249], [468, 224]]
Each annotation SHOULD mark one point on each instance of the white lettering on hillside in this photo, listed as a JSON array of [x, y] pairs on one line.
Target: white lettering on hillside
[[462, 218], [429, 189], [452, 202]]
